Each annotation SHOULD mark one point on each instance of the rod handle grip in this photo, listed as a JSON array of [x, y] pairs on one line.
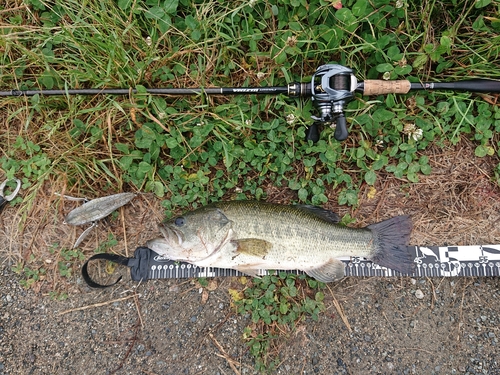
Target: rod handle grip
[[381, 87]]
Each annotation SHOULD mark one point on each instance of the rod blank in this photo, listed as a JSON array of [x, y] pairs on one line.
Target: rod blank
[[368, 87], [472, 85], [161, 91]]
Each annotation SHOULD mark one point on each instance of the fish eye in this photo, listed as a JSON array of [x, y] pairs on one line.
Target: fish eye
[[180, 221]]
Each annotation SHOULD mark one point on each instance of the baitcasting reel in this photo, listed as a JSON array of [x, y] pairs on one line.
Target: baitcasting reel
[[332, 87]]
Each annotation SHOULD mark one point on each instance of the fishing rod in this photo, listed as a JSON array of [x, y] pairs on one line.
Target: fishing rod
[[331, 87]]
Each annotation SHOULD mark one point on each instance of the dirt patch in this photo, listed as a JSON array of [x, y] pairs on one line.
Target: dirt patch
[[397, 325]]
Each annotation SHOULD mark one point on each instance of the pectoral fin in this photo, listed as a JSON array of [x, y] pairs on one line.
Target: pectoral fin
[[253, 247], [328, 272]]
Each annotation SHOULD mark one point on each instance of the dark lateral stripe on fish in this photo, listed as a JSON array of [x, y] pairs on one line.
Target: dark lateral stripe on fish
[[391, 238]]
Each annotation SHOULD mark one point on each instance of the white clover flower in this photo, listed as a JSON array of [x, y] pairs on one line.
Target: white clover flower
[[400, 3], [149, 41], [260, 75], [413, 132], [291, 41], [290, 119], [417, 134], [248, 122], [409, 128]]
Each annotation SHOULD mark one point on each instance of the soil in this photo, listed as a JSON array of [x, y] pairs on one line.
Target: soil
[[371, 325]]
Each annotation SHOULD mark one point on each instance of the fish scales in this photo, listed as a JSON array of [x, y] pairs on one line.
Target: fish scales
[[294, 226], [250, 235], [297, 235], [97, 208]]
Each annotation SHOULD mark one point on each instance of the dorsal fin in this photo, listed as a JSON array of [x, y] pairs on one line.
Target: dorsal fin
[[320, 212]]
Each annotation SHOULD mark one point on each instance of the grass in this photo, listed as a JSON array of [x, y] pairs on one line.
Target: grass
[[276, 304], [192, 150]]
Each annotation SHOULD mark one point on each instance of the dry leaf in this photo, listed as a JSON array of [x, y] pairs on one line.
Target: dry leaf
[[204, 296], [372, 192], [212, 285]]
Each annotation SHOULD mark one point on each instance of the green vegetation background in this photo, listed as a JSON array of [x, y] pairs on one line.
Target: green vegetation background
[[190, 151]]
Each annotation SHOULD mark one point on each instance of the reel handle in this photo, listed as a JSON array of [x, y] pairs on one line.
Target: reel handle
[[312, 132], [341, 132]]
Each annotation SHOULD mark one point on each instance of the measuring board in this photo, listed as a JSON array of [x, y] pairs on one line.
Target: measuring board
[[430, 261]]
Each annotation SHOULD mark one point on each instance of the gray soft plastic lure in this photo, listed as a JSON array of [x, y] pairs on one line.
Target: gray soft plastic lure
[[94, 210]]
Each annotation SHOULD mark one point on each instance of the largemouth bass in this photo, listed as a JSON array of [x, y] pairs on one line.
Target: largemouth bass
[[251, 236]]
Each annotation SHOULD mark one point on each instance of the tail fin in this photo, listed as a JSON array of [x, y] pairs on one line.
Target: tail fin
[[391, 238]]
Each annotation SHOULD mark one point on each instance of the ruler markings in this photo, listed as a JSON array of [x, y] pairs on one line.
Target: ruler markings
[[430, 261]]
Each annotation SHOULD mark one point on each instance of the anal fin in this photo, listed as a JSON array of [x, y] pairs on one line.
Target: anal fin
[[332, 270]]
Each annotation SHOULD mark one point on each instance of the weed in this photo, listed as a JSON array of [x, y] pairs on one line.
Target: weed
[[29, 276], [58, 296], [106, 245], [203, 281], [69, 256], [276, 304]]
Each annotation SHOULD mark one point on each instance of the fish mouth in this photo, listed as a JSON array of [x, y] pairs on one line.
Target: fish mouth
[[171, 233], [168, 244]]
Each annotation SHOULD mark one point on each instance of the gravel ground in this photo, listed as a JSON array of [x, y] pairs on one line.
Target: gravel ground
[[393, 325], [397, 326]]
